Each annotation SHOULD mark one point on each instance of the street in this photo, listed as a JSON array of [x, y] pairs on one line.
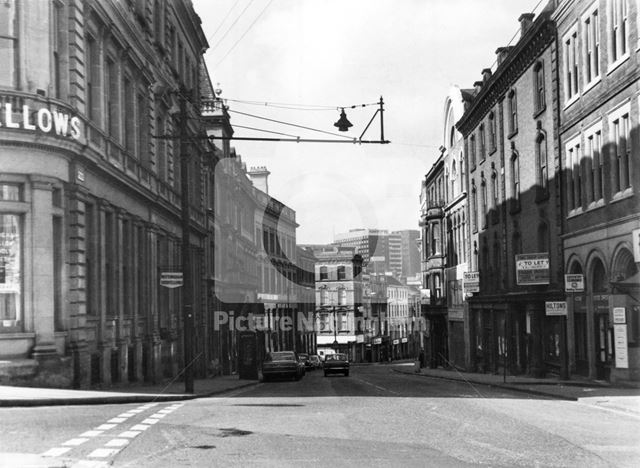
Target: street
[[375, 417]]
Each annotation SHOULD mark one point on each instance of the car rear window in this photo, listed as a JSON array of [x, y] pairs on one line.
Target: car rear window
[[281, 357]]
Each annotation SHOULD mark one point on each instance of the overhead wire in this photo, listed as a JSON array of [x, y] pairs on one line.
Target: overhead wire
[[266, 131], [230, 27], [283, 105], [243, 35], [290, 124], [223, 20]]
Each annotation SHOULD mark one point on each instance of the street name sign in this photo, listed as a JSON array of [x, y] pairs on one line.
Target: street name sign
[[574, 283], [471, 281], [556, 308], [171, 279], [532, 268]]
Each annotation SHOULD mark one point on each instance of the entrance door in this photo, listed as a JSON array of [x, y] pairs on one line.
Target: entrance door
[[603, 346]]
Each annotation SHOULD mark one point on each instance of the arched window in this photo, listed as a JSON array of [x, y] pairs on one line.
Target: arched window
[[515, 176], [538, 92], [474, 206], [483, 201], [492, 132], [542, 162]]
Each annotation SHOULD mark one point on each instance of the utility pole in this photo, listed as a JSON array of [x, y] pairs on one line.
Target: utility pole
[[187, 288]]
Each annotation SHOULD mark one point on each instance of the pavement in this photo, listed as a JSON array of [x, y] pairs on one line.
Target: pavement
[[576, 389]]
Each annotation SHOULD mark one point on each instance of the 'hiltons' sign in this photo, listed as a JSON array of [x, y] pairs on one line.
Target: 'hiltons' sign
[[42, 119]]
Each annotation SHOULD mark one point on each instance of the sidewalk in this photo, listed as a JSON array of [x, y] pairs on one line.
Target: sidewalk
[[31, 396], [576, 389]]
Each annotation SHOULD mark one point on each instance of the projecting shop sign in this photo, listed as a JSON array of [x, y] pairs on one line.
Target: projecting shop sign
[[556, 308], [532, 268], [471, 281]]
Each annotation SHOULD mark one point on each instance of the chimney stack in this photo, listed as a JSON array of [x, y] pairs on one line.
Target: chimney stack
[[260, 177], [526, 20]]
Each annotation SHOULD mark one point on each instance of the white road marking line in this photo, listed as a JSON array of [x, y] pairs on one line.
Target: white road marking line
[[105, 427], [165, 411], [90, 464], [126, 415], [117, 443], [116, 420], [129, 434], [140, 427], [150, 421], [136, 411], [148, 405], [56, 452], [102, 453], [158, 415], [75, 442], [91, 433], [378, 387]]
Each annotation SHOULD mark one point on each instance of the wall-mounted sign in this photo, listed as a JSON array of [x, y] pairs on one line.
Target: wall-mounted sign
[[471, 281], [532, 268], [377, 341], [42, 119], [405, 340], [619, 315], [574, 283], [556, 308], [395, 342], [171, 279], [620, 346]]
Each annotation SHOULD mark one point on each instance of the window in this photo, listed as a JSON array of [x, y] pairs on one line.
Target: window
[[474, 206], [324, 325], [513, 112], [492, 132], [143, 130], [92, 67], [538, 78], [9, 45], [621, 148], [570, 50], [618, 30], [342, 322], [542, 162], [341, 272], [472, 150], [161, 154], [515, 176], [129, 116], [483, 200], [112, 99], [591, 43], [324, 275], [10, 192], [593, 156], [10, 272], [483, 150], [574, 184], [495, 190], [342, 296], [57, 43]]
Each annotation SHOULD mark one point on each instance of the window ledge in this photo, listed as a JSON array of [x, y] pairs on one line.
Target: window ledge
[[574, 212], [512, 134], [594, 205], [626, 193], [592, 84], [571, 101], [539, 111], [614, 66]]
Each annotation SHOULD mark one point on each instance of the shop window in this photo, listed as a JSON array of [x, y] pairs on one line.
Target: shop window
[[10, 273]]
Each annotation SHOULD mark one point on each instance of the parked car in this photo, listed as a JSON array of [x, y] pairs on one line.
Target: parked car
[[304, 358], [281, 364], [336, 364], [315, 361]]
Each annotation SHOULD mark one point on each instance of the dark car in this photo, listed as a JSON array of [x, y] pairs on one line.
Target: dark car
[[304, 359], [282, 364], [336, 364]]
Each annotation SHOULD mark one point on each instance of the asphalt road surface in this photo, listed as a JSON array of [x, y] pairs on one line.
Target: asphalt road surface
[[374, 417]]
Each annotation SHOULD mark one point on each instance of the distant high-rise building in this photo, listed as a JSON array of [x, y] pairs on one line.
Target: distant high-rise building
[[369, 243], [404, 257]]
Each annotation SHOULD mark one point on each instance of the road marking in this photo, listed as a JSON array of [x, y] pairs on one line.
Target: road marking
[[165, 411], [102, 453], [91, 433], [56, 452], [90, 464], [129, 434], [116, 420], [136, 411], [126, 415], [140, 427], [150, 421], [105, 427], [75, 442], [158, 415], [377, 386], [117, 443]]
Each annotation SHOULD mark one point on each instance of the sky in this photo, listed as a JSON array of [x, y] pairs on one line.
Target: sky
[[300, 61]]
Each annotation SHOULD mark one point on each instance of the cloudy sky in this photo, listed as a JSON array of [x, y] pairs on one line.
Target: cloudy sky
[[298, 61]]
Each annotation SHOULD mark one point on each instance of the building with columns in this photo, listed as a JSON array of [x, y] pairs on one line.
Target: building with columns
[[90, 197]]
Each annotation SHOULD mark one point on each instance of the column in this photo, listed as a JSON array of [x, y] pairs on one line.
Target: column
[[42, 269], [104, 338]]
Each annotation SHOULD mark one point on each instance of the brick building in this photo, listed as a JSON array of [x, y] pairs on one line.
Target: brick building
[[513, 170], [599, 100]]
